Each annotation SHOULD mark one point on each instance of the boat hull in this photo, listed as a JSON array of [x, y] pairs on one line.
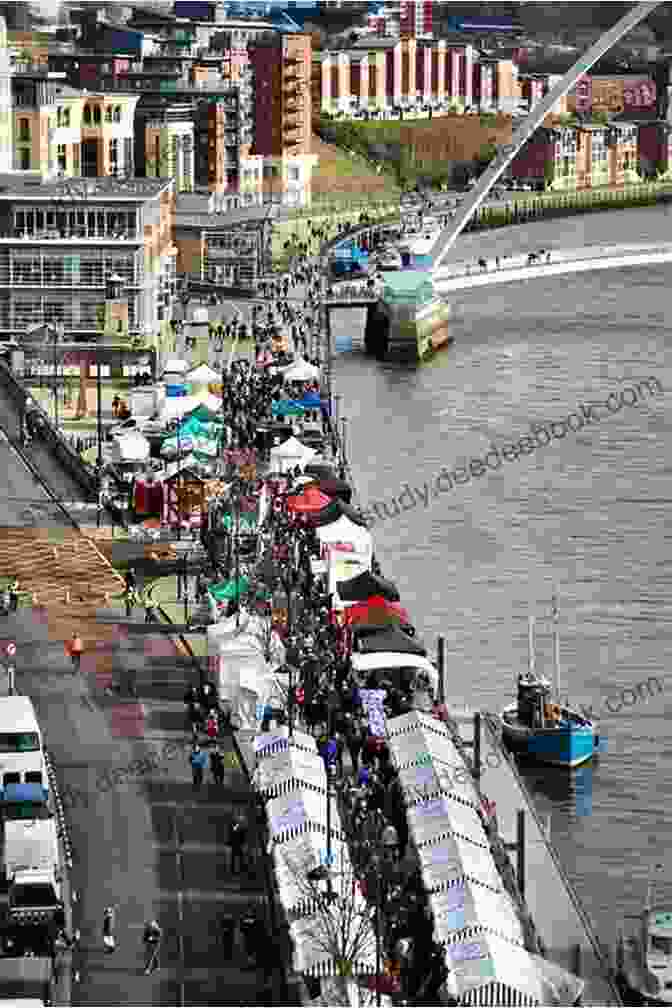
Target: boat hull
[[566, 746]]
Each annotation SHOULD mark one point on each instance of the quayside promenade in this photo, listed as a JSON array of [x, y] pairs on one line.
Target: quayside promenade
[[168, 857]]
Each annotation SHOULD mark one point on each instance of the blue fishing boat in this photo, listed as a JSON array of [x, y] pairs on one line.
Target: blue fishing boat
[[538, 726]]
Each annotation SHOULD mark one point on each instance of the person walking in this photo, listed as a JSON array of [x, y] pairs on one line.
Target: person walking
[[14, 595], [109, 921], [217, 766], [74, 649], [151, 940], [212, 726], [238, 844], [199, 763]]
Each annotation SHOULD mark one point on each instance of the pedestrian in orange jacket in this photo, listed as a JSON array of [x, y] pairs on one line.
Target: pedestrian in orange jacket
[[74, 648]]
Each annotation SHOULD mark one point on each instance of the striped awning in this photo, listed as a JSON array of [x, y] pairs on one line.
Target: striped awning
[[338, 940], [293, 862], [301, 810], [289, 767], [489, 970]]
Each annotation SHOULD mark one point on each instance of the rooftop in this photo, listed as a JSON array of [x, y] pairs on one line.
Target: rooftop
[[80, 188], [208, 221]]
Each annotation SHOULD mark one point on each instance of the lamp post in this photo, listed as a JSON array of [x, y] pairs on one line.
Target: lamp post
[[58, 332]]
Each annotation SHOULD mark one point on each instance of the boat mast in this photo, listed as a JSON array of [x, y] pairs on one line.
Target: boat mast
[[530, 645], [556, 648]]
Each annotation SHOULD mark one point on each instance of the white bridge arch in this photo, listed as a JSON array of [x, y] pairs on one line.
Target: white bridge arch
[[530, 124]]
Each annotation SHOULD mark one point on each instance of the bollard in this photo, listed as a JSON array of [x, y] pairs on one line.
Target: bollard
[[477, 747], [576, 960]]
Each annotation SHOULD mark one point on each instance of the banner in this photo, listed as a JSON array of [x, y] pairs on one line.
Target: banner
[[372, 702]]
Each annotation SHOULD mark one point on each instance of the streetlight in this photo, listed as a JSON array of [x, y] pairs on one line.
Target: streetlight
[[58, 333]]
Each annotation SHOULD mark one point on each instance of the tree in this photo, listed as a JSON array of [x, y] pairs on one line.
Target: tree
[[335, 926]]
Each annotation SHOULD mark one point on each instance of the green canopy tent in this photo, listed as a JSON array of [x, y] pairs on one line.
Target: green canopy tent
[[230, 589], [248, 523]]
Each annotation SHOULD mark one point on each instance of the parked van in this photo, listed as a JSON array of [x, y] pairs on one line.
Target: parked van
[[21, 755]]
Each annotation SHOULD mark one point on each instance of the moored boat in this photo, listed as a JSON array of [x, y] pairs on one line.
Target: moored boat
[[538, 726], [644, 960]]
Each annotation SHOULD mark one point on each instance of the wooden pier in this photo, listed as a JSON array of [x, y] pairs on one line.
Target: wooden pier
[[561, 921]]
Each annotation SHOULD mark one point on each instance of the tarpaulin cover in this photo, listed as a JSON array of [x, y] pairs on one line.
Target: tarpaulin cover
[[390, 639], [365, 586]]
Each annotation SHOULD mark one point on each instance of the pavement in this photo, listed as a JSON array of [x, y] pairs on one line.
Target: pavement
[[143, 841]]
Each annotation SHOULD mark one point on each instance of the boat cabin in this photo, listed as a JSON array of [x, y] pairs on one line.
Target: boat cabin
[[535, 710]]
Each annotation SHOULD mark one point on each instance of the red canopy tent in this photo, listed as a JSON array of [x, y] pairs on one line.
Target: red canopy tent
[[309, 502], [376, 611]]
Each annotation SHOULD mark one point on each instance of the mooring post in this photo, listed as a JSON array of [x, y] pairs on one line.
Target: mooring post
[[520, 851], [440, 664], [576, 960], [477, 746]]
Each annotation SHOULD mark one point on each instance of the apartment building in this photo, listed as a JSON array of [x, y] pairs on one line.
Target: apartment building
[[6, 119], [169, 145], [61, 241], [282, 68], [378, 76], [416, 17], [59, 129], [580, 157], [232, 249]]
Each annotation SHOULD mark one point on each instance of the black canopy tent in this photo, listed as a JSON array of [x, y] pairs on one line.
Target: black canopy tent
[[320, 470], [385, 640], [366, 586], [335, 510]]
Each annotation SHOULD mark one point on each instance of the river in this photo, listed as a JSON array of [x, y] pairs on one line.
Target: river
[[587, 514]]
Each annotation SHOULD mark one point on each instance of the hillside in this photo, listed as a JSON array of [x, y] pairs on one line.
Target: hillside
[[339, 174]]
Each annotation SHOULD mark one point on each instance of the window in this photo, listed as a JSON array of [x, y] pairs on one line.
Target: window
[[87, 115], [117, 113], [24, 130], [108, 113], [61, 157], [97, 115], [114, 155], [17, 742], [24, 160]]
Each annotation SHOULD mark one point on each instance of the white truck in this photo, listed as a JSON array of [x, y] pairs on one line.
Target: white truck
[[32, 871], [25, 981]]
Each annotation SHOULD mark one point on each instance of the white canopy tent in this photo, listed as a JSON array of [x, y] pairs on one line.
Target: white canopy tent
[[274, 773], [241, 672], [292, 453], [175, 367], [177, 406], [315, 940], [365, 663], [490, 971], [294, 860], [131, 447], [466, 906], [300, 371], [346, 533], [203, 375], [302, 810]]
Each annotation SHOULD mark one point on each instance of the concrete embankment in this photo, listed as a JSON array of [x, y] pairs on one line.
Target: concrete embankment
[[462, 276]]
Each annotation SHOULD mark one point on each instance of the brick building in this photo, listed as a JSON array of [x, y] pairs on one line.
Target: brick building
[[282, 65], [579, 157], [416, 18]]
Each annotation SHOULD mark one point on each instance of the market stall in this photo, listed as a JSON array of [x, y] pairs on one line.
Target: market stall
[[287, 456]]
